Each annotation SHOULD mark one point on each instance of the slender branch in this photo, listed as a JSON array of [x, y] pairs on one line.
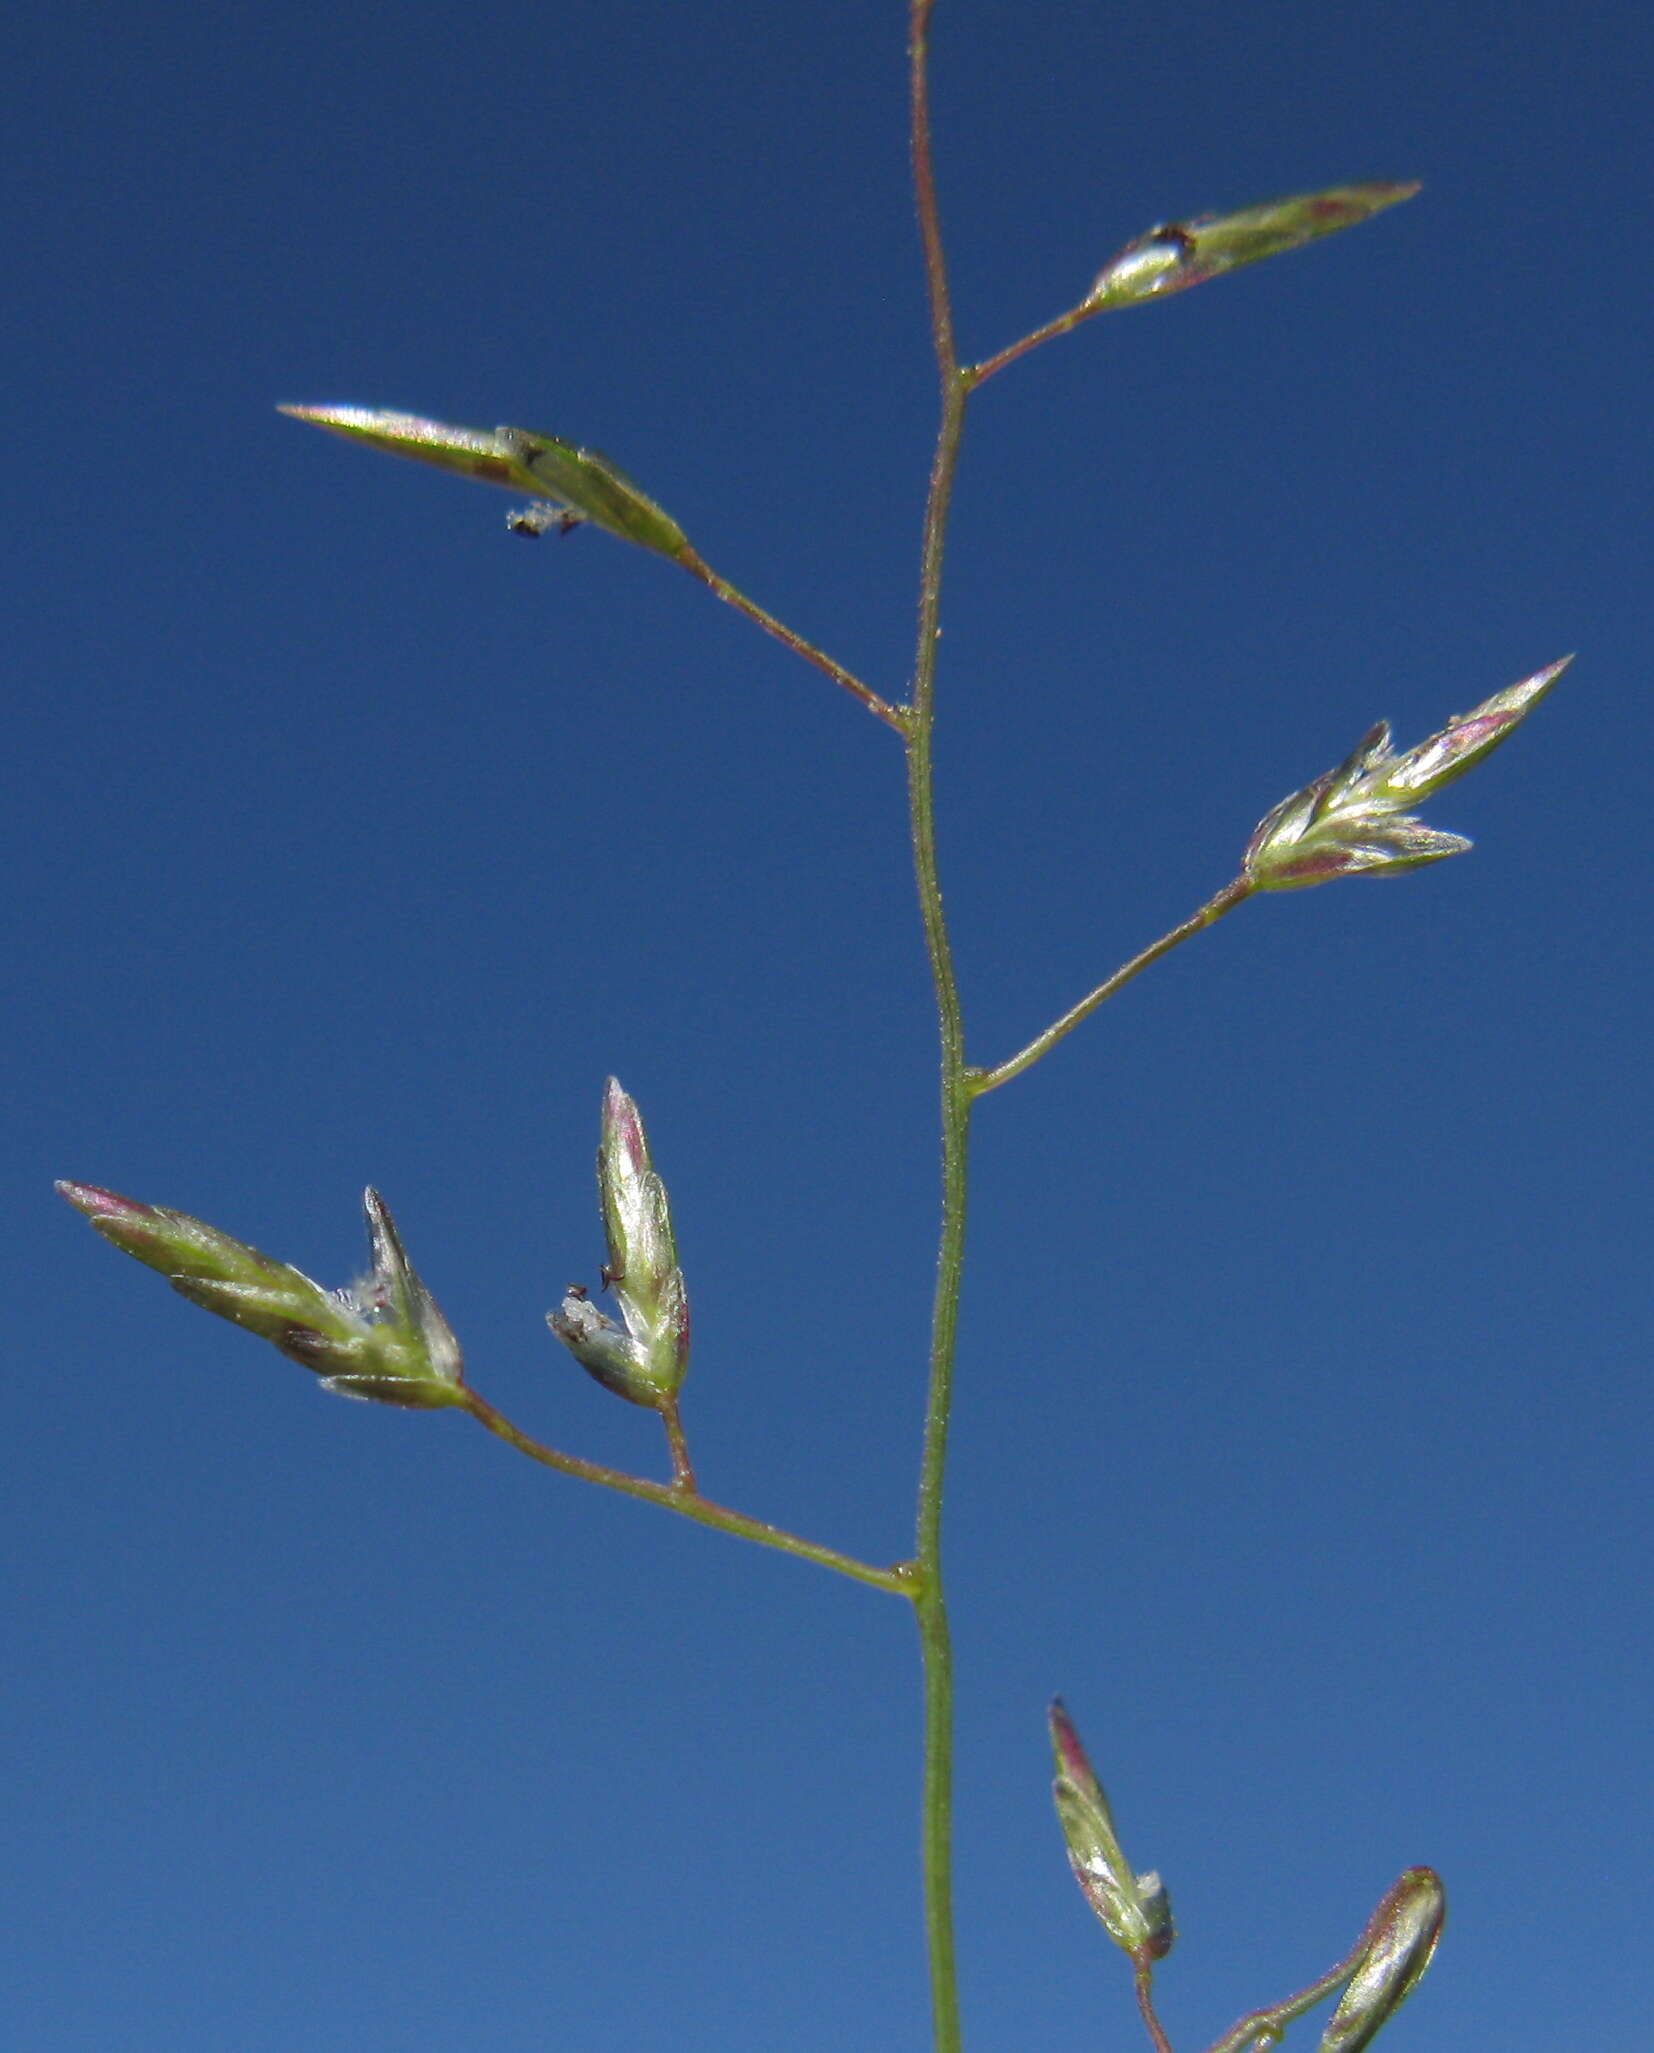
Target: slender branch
[[929, 1599], [892, 716], [924, 188], [1064, 324], [684, 1501], [683, 1469], [1264, 2027], [985, 1080], [1145, 2003]]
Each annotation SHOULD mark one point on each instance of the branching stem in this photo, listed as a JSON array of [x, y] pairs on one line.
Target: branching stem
[[985, 1080], [892, 716], [919, 1580], [684, 1500], [1063, 324], [929, 1599]]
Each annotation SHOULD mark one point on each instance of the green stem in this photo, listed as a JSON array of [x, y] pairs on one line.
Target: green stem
[[929, 1599], [1145, 2003], [687, 1504], [1063, 324], [677, 1441], [892, 716], [1265, 2027], [985, 1080]]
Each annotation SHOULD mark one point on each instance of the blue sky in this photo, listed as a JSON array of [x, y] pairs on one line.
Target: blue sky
[[1303, 1433]]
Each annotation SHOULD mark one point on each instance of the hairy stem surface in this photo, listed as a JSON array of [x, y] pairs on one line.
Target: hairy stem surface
[[929, 1599]]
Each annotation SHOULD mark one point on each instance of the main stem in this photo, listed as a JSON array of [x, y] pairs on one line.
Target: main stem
[[929, 1599]]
